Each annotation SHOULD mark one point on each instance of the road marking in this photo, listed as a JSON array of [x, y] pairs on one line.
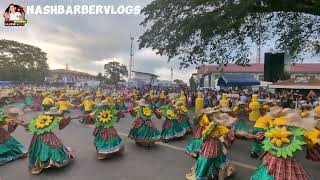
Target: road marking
[[236, 163]]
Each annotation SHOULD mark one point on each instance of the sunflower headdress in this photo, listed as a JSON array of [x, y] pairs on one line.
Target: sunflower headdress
[[284, 142], [168, 112], [183, 109], [44, 123], [145, 112], [143, 109], [106, 117]]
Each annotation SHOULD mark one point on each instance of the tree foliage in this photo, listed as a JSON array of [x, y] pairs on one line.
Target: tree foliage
[[192, 83], [114, 72], [22, 62], [100, 77], [223, 31]]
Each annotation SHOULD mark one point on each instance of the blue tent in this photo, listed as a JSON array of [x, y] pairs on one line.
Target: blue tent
[[6, 83], [230, 80]]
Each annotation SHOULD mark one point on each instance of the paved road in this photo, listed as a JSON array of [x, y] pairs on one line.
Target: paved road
[[162, 162]]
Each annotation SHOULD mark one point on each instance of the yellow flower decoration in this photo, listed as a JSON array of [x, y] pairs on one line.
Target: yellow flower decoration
[[184, 109], [312, 136], [147, 111], [280, 121], [43, 121], [104, 116], [279, 136], [170, 113], [318, 109]]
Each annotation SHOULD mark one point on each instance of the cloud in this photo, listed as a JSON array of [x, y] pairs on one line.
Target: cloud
[[86, 43]]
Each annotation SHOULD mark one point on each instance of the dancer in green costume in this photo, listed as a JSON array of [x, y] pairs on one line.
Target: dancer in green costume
[[183, 118], [46, 149], [171, 129], [143, 130], [281, 145], [242, 112], [106, 139], [10, 148], [212, 161], [193, 147]]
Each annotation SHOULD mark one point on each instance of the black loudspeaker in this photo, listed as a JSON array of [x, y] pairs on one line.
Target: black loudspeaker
[[274, 67]]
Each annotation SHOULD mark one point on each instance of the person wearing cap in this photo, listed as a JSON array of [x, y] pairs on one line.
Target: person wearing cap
[[193, 147], [10, 148], [171, 129], [281, 144], [143, 130], [47, 102], [88, 105], [212, 161], [46, 150]]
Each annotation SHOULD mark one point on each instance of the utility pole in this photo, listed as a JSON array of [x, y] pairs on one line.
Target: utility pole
[[260, 4], [259, 41], [171, 74], [131, 58]]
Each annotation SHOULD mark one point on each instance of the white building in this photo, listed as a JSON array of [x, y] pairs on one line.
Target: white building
[[72, 77], [147, 78]]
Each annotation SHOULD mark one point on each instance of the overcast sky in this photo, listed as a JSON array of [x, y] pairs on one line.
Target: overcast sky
[[87, 42]]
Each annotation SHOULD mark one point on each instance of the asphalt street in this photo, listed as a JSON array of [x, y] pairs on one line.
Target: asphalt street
[[165, 161]]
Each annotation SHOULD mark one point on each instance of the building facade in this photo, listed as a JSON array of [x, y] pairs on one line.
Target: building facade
[[70, 77], [210, 74], [147, 78]]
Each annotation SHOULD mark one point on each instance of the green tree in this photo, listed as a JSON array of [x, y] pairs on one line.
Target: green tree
[[100, 77], [115, 72], [22, 62], [223, 31]]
